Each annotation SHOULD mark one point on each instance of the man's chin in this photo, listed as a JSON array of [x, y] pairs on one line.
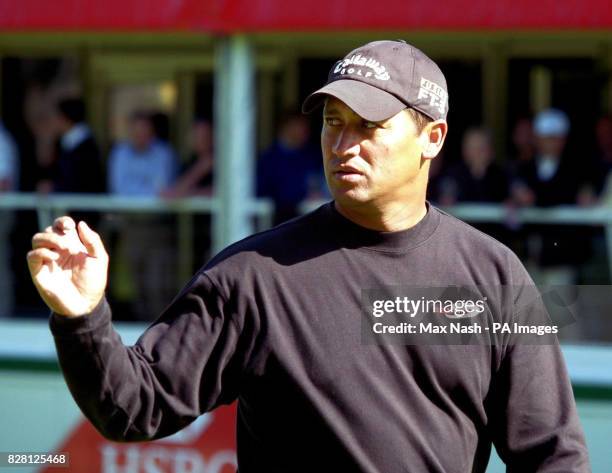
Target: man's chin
[[351, 196]]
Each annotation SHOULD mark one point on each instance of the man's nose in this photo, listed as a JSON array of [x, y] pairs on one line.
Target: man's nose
[[346, 144]]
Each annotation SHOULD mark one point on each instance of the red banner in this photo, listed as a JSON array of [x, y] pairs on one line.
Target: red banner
[[206, 446], [317, 15]]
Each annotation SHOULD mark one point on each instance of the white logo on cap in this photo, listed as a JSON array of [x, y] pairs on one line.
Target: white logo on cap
[[438, 97], [356, 64]]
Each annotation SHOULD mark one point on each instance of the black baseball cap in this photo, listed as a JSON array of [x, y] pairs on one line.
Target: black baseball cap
[[381, 78]]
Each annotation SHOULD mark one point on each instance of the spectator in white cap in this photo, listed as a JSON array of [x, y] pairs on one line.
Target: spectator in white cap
[[553, 178], [551, 127], [538, 182], [551, 122]]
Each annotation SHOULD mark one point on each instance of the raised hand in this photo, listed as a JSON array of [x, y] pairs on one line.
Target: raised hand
[[69, 267]]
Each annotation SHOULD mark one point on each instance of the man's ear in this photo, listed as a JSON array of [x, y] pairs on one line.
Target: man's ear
[[433, 136]]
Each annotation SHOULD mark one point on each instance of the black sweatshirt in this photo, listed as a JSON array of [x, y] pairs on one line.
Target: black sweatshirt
[[275, 322]]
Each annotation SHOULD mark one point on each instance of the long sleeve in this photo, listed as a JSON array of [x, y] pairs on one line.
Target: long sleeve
[[186, 363], [535, 426], [531, 408]]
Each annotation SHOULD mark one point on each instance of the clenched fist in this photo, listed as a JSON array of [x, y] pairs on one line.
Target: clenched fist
[[69, 267]]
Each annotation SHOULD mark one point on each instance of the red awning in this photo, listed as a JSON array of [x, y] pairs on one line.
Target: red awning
[[314, 15]]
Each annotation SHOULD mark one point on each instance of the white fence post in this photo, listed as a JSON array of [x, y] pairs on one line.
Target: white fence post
[[234, 139]]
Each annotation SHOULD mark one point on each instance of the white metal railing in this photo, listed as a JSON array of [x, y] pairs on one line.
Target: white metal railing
[[599, 215], [50, 206]]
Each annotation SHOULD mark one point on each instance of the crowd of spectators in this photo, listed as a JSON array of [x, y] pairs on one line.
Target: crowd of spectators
[[542, 172], [538, 171]]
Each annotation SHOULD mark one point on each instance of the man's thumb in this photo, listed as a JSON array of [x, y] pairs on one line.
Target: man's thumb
[[91, 240]]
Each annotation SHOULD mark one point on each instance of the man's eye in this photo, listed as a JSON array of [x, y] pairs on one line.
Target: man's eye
[[370, 125], [331, 121]]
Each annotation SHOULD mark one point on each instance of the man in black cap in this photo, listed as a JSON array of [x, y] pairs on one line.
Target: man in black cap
[[277, 319]]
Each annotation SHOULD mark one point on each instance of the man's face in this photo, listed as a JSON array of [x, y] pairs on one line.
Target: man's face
[[522, 136], [367, 161], [201, 138], [477, 149], [141, 133], [295, 132]]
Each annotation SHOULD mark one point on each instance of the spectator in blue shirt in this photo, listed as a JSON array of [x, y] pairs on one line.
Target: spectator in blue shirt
[[290, 171], [145, 166]]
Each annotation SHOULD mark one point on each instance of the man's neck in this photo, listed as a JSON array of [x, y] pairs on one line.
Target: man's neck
[[391, 217]]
